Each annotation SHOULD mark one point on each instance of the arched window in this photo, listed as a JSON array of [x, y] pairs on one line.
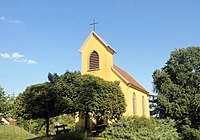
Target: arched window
[[134, 105], [94, 61], [143, 106]]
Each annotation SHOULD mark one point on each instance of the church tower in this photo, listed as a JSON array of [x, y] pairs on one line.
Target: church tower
[[97, 57]]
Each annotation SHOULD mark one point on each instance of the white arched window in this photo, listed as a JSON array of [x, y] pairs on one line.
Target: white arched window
[[143, 106], [134, 104], [94, 61]]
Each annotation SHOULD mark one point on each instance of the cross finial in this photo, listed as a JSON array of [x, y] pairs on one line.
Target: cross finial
[[93, 24]]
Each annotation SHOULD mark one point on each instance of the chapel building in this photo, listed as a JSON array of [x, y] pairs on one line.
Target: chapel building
[[97, 60]]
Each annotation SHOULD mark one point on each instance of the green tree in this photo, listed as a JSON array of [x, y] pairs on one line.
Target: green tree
[[178, 87], [3, 99], [70, 93], [90, 95], [39, 101], [101, 99], [68, 87], [10, 109]]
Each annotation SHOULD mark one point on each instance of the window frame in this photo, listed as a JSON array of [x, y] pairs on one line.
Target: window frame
[[89, 61], [134, 104]]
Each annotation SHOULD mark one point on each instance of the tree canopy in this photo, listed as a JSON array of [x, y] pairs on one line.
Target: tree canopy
[[91, 94], [178, 88], [70, 93], [39, 101], [102, 99]]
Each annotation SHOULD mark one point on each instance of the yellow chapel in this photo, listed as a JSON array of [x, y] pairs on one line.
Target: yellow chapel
[[97, 59]]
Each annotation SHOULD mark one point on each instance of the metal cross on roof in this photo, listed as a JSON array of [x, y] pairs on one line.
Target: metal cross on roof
[[93, 24]]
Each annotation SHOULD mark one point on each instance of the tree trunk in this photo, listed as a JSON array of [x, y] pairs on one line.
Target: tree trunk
[[87, 125], [47, 126]]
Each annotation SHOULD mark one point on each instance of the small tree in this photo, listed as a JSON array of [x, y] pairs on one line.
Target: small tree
[[39, 101], [3, 99]]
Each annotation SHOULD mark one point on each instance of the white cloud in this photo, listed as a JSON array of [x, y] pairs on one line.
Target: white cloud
[[20, 60], [2, 18], [16, 55], [32, 62], [16, 21], [5, 55]]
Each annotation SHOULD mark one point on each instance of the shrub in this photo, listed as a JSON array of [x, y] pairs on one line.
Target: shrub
[[190, 133], [135, 128], [72, 135]]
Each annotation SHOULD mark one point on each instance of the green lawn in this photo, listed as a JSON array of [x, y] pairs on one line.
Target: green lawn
[[8, 132]]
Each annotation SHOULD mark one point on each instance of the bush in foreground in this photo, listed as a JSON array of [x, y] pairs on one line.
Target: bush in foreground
[[189, 133], [135, 128], [73, 135]]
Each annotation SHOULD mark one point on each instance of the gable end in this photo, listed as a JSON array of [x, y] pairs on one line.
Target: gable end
[[108, 48]]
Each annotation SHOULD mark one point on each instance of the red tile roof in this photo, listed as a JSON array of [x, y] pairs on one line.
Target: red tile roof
[[129, 79]]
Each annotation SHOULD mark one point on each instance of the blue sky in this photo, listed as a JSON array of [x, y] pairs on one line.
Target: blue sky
[[42, 36]]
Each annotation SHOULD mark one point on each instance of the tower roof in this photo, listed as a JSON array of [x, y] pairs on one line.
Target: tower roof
[[106, 45], [130, 81]]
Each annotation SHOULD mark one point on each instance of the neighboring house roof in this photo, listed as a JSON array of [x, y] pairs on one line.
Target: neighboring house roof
[[130, 81], [4, 121], [106, 45]]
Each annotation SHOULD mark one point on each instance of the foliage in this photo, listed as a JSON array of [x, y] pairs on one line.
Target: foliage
[[68, 87], [90, 94], [70, 93], [135, 128], [190, 133], [9, 132], [178, 88], [37, 126], [72, 135], [153, 105], [9, 105], [6, 104], [39, 101], [102, 98], [63, 119], [3, 99]]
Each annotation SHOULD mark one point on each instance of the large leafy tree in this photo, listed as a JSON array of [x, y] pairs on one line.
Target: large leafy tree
[[91, 95], [70, 93], [101, 99], [178, 88]]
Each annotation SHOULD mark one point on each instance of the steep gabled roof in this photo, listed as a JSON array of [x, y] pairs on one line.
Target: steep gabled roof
[[106, 45], [128, 79]]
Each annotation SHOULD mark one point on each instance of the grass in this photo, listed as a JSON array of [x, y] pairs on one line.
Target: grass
[[72, 135], [9, 132]]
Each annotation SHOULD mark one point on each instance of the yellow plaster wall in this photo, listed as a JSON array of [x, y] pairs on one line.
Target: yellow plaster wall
[[128, 93], [105, 57]]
